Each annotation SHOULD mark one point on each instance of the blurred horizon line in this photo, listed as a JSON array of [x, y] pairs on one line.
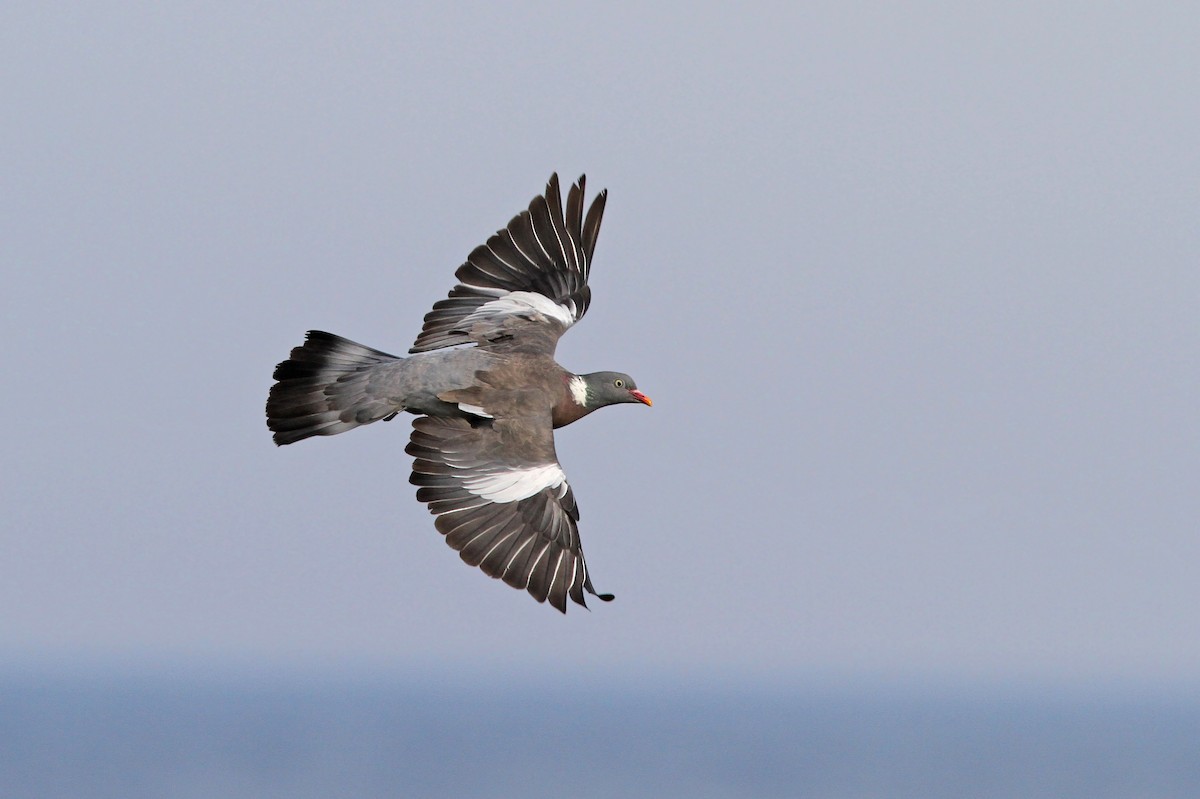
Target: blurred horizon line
[[165, 670]]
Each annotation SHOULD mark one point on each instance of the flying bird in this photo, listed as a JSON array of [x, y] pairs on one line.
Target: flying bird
[[488, 394]]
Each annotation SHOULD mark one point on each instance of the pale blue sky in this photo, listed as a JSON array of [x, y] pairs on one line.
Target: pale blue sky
[[915, 290]]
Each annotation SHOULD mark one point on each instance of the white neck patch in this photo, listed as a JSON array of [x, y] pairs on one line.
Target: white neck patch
[[578, 388]]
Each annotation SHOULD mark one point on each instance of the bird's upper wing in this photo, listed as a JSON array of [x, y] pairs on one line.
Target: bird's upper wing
[[503, 502], [525, 286]]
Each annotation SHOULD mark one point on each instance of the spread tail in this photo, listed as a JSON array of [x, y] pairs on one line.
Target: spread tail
[[325, 387]]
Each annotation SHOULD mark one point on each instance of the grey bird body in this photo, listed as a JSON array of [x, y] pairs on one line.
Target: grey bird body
[[488, 394]]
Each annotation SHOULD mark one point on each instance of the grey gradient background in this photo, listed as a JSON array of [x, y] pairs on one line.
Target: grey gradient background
[[914, 289]]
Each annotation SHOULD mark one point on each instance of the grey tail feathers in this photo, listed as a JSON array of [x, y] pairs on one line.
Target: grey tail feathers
[[324, 388]]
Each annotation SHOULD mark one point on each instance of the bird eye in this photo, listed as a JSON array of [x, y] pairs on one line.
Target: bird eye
[[619, 383]]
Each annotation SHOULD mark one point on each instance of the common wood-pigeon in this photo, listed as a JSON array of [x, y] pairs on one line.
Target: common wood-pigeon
[[488, 394]]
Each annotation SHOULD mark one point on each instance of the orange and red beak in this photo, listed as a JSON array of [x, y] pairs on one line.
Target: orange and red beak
[[639, 396]]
